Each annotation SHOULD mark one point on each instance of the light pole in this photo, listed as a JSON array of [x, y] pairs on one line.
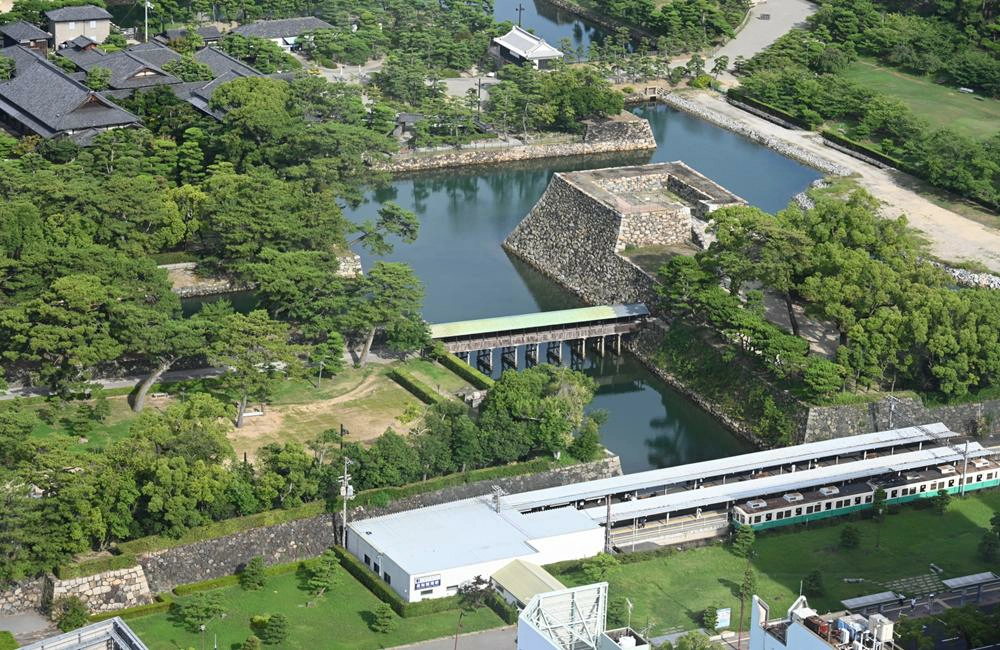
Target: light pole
[[346, 492]]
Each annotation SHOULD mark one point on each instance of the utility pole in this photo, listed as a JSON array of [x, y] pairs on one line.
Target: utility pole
[[346, 492], [607, 527], [965, 468], [145, 20], [520, 10]]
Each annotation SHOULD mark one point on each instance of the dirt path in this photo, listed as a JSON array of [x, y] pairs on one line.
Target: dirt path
[[951, 237]]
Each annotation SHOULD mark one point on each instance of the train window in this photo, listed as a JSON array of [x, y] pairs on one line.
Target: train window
[[933, 486], [857, 500], [951, 483], [892, 494], [781, 514], [868, 499], [756, 519], [979, 477], [798, 511], [923, 488], [829, 504], [768, 517]]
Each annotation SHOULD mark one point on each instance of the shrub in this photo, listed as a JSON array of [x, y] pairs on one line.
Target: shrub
[[465, 371], [743, 541], [813, 584], [710, 618], [93, 567], [989, 547], [69, 613], [419, 389], [252, 643], [383, 620], [162, 604], [252, 576], [850, 537], [275, 630], [597, 568]]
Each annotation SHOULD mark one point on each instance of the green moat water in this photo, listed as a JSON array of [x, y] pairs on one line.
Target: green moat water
[[465, 214]]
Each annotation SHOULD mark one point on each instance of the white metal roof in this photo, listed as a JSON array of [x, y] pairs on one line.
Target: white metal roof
[[527, 45], [741, 490], [862, 602], [462, 533], [971, 580], [732, 465]]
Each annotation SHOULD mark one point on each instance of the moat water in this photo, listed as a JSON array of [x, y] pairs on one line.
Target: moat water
[[465, 214]]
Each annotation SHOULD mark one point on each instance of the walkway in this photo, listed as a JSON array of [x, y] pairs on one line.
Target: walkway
[[784, 15], [951, 237]]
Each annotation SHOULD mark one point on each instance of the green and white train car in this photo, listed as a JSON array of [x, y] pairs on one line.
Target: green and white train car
[[837, 500]]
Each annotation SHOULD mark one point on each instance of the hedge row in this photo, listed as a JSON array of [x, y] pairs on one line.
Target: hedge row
[[99, 565], [863, 149], [503, 609], [465, 371], [232, 580], [162, 604], [385, 593], [419, 389], [770, 109]]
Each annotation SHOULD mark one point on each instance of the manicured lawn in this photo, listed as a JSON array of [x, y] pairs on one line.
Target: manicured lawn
[[942, 106], [436, 376], [338, 620], [672, 591]]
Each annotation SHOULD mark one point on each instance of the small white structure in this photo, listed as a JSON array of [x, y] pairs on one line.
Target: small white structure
[[520, 46], [520, 581], [431, 552], [803, 629], [573, 619]]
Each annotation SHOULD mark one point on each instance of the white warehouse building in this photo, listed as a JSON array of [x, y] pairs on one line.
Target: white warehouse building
[[430, 552]]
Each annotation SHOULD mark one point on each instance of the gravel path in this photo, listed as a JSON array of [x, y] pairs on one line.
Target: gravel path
[[757, 33]]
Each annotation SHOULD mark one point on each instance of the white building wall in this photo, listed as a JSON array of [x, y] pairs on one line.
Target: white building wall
[[529, 638]]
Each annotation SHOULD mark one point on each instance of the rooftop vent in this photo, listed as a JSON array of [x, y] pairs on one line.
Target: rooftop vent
[[829, 490], [793, 497], [756, 504], [946, 469], [980, 463]]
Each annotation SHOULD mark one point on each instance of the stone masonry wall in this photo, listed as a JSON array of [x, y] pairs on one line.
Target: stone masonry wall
[[824, 422], [613, 136], [22, 596], [572, 238], [659, 228], [214, 558], [105, 592]]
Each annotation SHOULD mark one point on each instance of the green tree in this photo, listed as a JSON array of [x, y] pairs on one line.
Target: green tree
[[599, 567], [586, 445], [98, 78], [199, 609], [255, 353], [325, 573], [812, 585], [989, 547], [252, 643], [693, 641], [995, 523], [70, 613], [748, 586], [743, 541], [720, 65], [192, 429], [275, 631], [252, 576], [710, 618], [187, 68], [850, 537], [389, 297], [16, 425], [940, 501], [6, 68], [383, 619]]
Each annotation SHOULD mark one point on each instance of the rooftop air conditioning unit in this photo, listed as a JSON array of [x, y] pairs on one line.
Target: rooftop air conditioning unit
[[829, 490], [881, 628], [912, 477], [793, 497], [980, 463], [756, 504], [946, 469]]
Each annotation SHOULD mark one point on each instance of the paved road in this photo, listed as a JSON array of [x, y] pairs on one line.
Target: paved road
[[17, 390], [498, 639], [758, 34]]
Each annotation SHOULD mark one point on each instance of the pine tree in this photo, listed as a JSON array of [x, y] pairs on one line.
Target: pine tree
[[325, 573], [744, 541], [252, 576], [384, 620], [275, 631]]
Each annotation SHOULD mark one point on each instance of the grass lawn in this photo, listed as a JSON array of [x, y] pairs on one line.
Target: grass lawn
[[972, 115], [671, 592], [338, 620], [115, 427], [436, 376]]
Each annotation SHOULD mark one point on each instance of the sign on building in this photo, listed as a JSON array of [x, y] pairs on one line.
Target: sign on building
[[427, 582], [723, 618]]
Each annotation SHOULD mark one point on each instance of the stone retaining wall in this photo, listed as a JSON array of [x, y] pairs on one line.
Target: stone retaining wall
[[572, 238], [23, 596], [104, 592], [624, 133], [223, 556], [824, 422], [763, 114], [784, 148]]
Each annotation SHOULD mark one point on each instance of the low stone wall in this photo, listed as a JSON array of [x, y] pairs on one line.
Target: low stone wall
[[609, 136], [24, 596], [763, 114], [784, 148], [825, 422], [223, 556], [572, 238], [104, 592]]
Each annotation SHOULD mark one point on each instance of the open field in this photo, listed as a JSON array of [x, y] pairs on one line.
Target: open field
[[338, 620], [365, 400], [942, 106], [672, 591]]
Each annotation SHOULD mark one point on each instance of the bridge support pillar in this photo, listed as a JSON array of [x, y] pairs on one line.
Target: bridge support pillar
[[553, 352], [618, 344], [508, 357], [530, 355], [484, 359], [599, 345]]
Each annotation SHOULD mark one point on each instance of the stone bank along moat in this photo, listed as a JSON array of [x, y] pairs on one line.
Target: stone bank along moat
[[466, 214]]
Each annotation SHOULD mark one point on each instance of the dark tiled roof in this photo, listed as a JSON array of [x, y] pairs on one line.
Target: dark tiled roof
[[81, 42], [22, 32], [209, 33], [82, 58], [153, 53], [285, 28], [48, 102], [130, 71], [24, 57], [84, 12], [221, 63]]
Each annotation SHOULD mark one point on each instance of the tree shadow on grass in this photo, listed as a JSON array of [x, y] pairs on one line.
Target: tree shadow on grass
[[731, 585]]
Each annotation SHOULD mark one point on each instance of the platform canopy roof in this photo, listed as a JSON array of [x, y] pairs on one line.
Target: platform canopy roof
[[871, 600], [824, 450], [790, 481], [971, 580], [540, 320]]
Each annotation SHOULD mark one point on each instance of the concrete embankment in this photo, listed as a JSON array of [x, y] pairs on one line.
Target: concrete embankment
[[622, 133], [788, 149]]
